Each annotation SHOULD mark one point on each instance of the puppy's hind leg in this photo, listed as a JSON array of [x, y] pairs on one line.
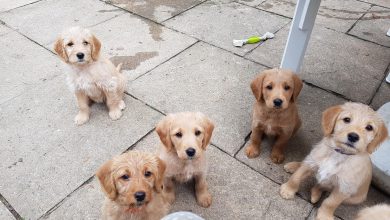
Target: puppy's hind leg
[[253, 150], [203, 197], [329, 205], [169, 189], [316, 193]]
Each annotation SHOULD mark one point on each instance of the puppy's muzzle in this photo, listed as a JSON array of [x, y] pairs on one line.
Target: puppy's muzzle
[[80, 56], [190, 152], [278, 103]]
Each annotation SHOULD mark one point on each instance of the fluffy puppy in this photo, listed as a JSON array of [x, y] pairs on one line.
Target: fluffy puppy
[[133, 185], [92, 77], [377, 212], [341, 161], [185, 137], [275, 111]]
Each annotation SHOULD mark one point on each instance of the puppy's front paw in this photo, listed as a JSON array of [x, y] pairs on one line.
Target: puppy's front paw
[[277, 157], [322, 215], [115, 114], [81, 118], [252, 151], [204, 199], [286, 192], [122, 105], [291, 167]]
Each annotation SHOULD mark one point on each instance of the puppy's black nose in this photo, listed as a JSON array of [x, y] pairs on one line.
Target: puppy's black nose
[[278, 102], [353, 137], [190, 152], [139, 196], [80, 55]]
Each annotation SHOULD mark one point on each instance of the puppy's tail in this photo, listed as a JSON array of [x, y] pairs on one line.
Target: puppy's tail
[[119, 67]]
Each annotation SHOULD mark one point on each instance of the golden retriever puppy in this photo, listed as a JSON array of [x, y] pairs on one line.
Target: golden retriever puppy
[[275, 111], [185, 137], [377, 212], [91, 76], [133, 185], [341, 160]]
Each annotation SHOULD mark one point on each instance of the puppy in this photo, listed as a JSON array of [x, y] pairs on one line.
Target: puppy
[[377, 212], [133, 184], [341, 161], [275, 111], [185, 137], [91, 77]]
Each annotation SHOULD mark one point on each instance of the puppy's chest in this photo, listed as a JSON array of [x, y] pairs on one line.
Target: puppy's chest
[[187, 173], [329, 169]]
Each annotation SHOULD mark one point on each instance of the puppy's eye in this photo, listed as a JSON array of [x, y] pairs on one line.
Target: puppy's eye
[[287, 87], [197, 133], [179, 134], [369, 128], [70, 44], [347, 120], [148, 173], [85, 43], [125, 177], [269, 87]]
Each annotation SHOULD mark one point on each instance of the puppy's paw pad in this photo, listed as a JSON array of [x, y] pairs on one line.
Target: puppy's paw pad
[[122, 105], [286, 192], [277, 158], [115, 114], [81, 119], [252, 151], [204, 200]]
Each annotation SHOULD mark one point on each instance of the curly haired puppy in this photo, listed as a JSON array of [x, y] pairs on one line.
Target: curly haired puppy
[[341, 161], [275, 111], [91, 77], [133, 184], [376, 212], [185, 137]]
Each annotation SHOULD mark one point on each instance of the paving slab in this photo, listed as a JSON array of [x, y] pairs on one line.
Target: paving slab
[[4, 30], [258, 198], [6, 5], [5, 214], [334, 14], [333, 61], [44, 20], [156, 10], [219, 23], [207, 79], [138, 44], [252, 3], [311, 103], [374, 26], [382, 96], [384, 3], [24, 65], [45, 156]]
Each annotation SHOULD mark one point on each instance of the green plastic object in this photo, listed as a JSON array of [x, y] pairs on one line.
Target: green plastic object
[[253, 40]]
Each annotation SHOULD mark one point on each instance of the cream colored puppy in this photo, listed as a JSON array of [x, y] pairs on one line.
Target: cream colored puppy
[[341, 161], [376, 212], [185, 137], [92, 77], [133, 184]]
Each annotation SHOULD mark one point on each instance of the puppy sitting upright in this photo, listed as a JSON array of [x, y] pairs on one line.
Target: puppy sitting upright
[[341, 161], [275, 112], [133, 184], [91, 77], [185, 137]]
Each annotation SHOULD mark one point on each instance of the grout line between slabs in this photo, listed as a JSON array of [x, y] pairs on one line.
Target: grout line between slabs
[[31, 3], [191, 7], [10, 208], [387, 71], [373, 4]]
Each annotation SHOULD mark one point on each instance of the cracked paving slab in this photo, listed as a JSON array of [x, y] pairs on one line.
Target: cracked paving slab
[[45, 156], [207, 79], [333, 61], [225, 173]]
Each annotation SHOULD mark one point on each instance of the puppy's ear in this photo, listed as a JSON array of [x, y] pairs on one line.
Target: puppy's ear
[[96, 45], [59, 49], [380, 136], [162, 129], [208, 127], [329, 117], [297, 87], [257, 86], [107, 180], [158, 185]]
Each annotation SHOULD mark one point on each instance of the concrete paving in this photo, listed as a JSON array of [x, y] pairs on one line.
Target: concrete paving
[[178, 55]]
